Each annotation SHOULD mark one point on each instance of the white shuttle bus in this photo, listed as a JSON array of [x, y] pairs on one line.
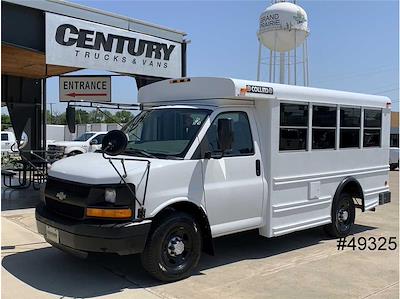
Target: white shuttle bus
[[208, 157]]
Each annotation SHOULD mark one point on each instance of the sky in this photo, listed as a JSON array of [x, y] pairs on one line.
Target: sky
[[353, 45]]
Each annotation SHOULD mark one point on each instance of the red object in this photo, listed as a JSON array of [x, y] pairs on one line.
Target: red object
[[74, 94]]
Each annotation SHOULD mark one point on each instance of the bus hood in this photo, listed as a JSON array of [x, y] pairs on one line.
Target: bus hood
[[92, 168]]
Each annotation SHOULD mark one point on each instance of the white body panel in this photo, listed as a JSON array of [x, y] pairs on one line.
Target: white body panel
[[295, 189]]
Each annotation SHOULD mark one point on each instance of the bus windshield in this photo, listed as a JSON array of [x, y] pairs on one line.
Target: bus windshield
[[164, 133]]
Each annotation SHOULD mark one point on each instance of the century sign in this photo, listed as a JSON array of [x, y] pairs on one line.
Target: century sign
[[82, 44], [85, 88]]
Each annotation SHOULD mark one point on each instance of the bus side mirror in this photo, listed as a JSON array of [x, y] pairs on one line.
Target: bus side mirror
[[70, 117], [114, 143], [225, 134]]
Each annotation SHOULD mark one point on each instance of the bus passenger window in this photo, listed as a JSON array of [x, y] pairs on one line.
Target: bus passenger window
[[372, 127], [323, 127], [293, 127], [350, 126]]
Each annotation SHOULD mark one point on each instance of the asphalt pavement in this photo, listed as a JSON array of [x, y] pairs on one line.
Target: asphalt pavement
[[305, 264]]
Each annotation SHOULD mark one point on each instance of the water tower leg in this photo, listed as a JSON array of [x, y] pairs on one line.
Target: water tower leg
[[282, 67], [288, 67], [307, 75], [270, 65], [304, 65], [273, 66], [259, 61], [295, 60]]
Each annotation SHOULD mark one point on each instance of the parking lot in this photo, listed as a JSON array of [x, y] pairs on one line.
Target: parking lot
[[300, 265]]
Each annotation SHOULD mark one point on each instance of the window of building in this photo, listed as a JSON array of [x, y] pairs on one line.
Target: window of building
[[372, 127], [350, 126], [323, 127], [242, 138], [293, 126]]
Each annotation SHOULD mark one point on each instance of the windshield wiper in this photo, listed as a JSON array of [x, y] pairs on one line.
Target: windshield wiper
[[142, 152]]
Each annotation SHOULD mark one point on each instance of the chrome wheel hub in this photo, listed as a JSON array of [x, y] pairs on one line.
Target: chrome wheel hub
[[343, 215], [176, 246]]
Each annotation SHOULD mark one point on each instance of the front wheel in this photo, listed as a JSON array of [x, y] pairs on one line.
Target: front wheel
[[173, 249], [343, 215]]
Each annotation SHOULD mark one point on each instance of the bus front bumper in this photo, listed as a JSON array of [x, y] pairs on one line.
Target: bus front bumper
[[79, 238]]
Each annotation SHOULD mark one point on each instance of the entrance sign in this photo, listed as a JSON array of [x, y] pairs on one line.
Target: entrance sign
[[85, 88], [83, 44]]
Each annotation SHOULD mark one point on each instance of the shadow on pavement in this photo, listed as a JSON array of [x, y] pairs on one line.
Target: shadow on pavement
[[55, 272]]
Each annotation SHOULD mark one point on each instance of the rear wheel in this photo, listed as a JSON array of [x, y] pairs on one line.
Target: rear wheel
[[173, 249], [343, 216]]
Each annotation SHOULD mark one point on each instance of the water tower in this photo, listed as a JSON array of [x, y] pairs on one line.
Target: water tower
[[283, 30]]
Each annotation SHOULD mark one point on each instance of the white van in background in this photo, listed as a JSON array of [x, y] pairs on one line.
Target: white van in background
[[87, 142], [7, 141], [208, 157]]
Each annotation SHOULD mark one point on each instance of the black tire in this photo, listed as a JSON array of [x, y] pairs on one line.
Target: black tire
[[74, 153], [343, 215], [164, 257], [393, 166]]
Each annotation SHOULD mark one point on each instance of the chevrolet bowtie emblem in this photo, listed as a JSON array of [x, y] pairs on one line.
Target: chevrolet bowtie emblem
[[61, 195]]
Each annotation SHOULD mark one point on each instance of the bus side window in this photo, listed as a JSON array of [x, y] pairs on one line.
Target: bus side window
[[372, 127], [293, 128], [323, 127], [350, 126]]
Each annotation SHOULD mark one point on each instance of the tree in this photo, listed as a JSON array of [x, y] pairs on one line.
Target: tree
[[81, 116], [5, 121], [50, 119], [108, 117], [60, 119], [123, 116], [95, 116]]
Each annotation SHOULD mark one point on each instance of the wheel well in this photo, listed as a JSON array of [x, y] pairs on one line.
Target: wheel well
[[198, 214], [351, 186]]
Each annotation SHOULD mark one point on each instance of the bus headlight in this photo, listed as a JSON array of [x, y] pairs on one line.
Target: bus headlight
[[110, 195]]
